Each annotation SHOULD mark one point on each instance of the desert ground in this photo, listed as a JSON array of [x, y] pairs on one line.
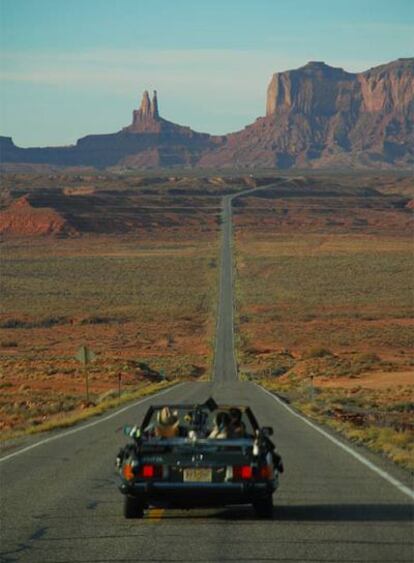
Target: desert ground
[[325, 301], [128, 266], [131, 272]]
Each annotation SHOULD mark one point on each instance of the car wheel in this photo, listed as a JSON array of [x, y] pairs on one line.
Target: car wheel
[[133, 507], [264, 507]]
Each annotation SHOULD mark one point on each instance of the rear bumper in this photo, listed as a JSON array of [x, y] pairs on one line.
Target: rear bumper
[[197, 494]]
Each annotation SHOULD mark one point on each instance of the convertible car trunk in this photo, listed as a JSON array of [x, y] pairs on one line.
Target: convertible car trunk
[[203, 461]]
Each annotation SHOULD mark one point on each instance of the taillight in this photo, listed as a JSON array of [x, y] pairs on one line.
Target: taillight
[[147, 471], [242, 472], [128, 472], [265, 472]]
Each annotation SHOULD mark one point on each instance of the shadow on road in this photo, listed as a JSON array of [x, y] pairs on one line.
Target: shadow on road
[[305, 513], [346, 512]]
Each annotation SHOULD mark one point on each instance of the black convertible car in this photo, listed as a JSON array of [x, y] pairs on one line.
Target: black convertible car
[[184, 456]]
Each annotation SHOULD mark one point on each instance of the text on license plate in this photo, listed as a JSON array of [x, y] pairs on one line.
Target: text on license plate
[[198, 474]]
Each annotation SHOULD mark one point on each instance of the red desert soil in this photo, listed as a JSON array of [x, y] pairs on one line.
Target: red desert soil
[[374, 380], [21, 219]]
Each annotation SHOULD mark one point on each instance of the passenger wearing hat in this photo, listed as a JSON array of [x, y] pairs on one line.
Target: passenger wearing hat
[[167, 424]]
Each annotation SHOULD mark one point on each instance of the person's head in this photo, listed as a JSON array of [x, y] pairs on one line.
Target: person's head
[[222, 420], [166, 418], [235, 415]]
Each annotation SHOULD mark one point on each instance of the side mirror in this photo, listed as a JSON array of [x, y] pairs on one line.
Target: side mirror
[[127, 430], [267, 431], [132, 431]]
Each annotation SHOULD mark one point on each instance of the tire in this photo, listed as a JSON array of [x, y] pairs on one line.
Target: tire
[[133, 507], [264, 507]]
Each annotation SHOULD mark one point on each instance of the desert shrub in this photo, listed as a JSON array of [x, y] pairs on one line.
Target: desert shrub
[[96, 320], [350, 402], [41, 323], [369, 358], [281, 363], [9, 344], [212, 263], [197, 371], [365, 362], [66, 371], [280, 370], [401, 407], [110, 394], [318, 352], [13, 323], [49, 322]]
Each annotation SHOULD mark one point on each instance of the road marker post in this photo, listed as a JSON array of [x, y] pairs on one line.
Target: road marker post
[[85, 356], [119, 385]]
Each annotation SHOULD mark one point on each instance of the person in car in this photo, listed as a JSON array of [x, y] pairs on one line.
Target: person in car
[[237, 428], [167, 424], [221, 426]]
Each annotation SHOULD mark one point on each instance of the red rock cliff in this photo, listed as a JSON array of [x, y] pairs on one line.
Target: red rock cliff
[[321, 116]]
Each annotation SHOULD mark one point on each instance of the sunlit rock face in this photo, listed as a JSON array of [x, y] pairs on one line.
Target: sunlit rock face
[[146, 117], [319, 116]]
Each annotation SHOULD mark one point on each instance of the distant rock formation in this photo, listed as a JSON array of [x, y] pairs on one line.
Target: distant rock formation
[[147, 117], [317, 116], [148, 142], [154, 106], [21, 219], [321, 116]]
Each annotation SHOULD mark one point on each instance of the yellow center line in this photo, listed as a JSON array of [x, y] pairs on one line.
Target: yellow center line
[[155, 515]]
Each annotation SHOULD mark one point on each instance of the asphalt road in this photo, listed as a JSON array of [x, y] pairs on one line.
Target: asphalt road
[[60, 503]]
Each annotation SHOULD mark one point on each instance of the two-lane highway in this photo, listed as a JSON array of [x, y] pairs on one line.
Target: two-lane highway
[[59, 501], [225, 365]]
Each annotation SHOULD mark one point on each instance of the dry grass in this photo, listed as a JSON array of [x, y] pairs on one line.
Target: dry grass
[[152, 283], [325, 291], [132, 301], [346, 280], [64, 420], [307, 291], [379, 419]]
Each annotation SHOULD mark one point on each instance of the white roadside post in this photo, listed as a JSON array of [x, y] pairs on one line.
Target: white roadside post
[[85, 356]]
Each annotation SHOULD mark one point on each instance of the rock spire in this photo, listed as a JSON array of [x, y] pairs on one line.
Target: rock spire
[[154, 106], [148, 108], [147, 117], [145, 107]]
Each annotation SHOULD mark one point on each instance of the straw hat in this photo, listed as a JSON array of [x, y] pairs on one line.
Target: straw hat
[[166, 418]]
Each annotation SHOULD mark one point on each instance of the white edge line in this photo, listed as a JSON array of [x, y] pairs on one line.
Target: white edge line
[[400, 486], [231, 198], [89, 425], [231, 248], [219, 307]]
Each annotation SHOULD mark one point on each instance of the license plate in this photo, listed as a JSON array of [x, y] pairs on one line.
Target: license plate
[[198, 474]]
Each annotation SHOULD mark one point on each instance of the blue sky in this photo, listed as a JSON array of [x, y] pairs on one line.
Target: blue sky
[[73, 67]]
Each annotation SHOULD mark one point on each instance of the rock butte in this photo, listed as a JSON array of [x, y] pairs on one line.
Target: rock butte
[[317, 116]]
